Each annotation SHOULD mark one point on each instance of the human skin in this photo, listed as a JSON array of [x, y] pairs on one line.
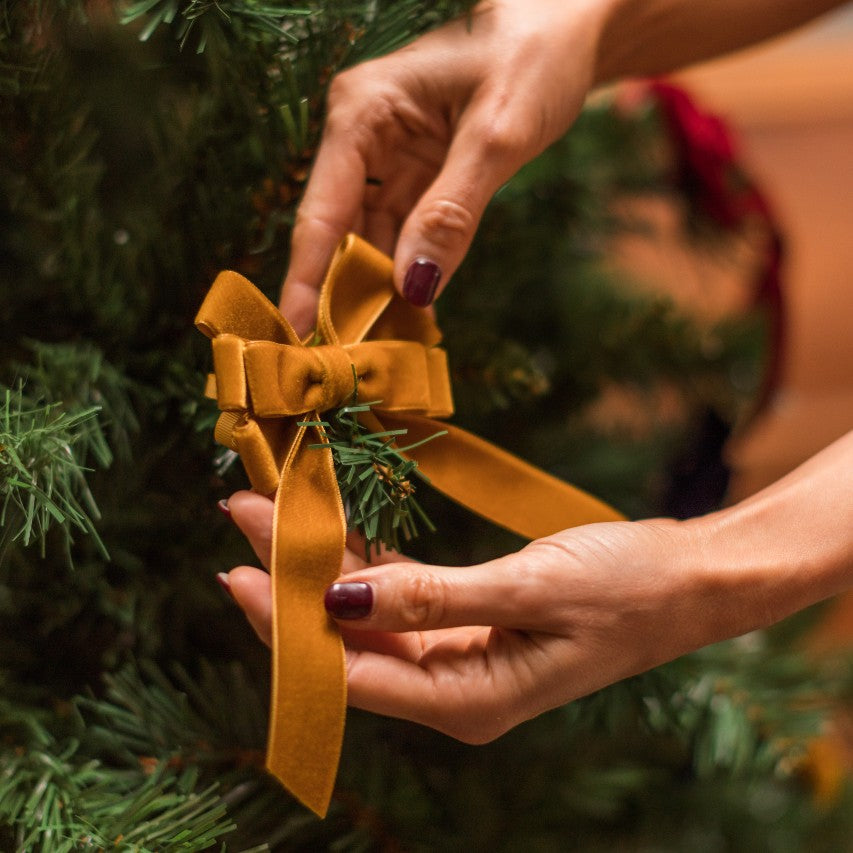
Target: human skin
[[445, 121], [474, 651]]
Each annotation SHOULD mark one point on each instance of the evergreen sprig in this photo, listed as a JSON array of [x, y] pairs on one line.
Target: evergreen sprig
[[185, 720], [374, 476], [42, 482], [78, 376], [261, 19], [387, 24], [57, 800]]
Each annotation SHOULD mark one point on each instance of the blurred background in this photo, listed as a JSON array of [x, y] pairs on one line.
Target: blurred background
[[791, 104]]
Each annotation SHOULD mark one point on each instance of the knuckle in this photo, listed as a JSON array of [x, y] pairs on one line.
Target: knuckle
[[423, 601], [360, 103], [447, 223], [501, 139], [310, 225], [343, 85]]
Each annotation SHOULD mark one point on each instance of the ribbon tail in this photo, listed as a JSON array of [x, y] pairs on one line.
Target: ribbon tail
[[308, 703], [495, 484]]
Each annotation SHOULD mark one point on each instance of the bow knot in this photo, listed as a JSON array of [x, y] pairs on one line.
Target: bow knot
[[283, 380]]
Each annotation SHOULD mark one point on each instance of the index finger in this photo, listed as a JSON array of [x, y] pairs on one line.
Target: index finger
[[328, 211]]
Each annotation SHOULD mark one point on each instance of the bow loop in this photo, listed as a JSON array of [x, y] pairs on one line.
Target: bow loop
[[230, 389]]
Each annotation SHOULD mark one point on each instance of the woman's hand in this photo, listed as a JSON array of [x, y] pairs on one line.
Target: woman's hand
[[417, 142], [474, 651]]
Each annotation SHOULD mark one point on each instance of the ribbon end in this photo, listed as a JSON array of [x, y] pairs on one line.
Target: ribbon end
[[313, 790]]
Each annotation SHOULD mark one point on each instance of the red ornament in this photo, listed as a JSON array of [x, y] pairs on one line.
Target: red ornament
[[708, 171]]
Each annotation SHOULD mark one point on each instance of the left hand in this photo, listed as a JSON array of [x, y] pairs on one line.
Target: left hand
[[474, 651]]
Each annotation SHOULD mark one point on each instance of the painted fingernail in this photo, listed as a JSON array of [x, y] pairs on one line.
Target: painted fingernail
[[223, 508], [349, 600], [422, 278], [222, 580]]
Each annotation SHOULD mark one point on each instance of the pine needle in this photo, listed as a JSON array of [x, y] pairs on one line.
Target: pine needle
[[42, 483], [374, 476]]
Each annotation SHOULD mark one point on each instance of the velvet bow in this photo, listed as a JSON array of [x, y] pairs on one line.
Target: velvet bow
[[268, 384]]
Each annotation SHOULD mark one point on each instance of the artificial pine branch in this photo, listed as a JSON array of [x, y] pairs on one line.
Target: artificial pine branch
[[79, 377], [374, 476], [393, 23], [57, 801], [42, 482], [146, 717], [257, 19]]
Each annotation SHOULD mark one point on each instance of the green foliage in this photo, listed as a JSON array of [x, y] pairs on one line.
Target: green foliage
[[131, 171], [375, 477], [387, 25], [265, 19], [42, 482], [78, 377], [54, 796]]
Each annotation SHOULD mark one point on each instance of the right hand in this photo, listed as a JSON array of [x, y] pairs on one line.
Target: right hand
[[474, 651], [442, 124]]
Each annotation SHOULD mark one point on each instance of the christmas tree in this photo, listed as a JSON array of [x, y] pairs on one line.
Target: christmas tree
[[146, 146]]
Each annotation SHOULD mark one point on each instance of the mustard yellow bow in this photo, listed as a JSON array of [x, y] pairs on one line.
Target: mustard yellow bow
[[267, 382]]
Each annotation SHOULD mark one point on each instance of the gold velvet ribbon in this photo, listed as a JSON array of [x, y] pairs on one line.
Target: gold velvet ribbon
[[266, 382]]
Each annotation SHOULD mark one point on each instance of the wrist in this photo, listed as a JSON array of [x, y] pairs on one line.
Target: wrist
[[621, 27], [782, 550], [710, 592], [650, 37]]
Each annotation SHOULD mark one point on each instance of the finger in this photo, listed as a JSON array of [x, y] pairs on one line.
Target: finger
[[388, 654], [390, 685], [438, 232], [466, 693], [327, 213], [403, 646], [415, 597], [253, 513], [250, 588], [252, 591]]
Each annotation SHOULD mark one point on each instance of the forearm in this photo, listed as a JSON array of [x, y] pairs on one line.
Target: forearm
[[647, 37], [785, 548]]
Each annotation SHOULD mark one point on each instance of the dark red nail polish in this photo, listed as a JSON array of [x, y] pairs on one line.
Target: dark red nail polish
[[222, 580], [421, 281], [349, 600], [223, 508]]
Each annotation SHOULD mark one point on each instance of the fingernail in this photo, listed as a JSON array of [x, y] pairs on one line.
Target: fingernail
[[349, 600], [422, 278], [223, 508], [222, 580]]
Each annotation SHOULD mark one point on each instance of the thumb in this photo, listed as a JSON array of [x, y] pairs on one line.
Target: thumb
[[415, 597], [439, 230]]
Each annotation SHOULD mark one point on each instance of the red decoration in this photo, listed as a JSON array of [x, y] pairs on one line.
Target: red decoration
[[708, 171]]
